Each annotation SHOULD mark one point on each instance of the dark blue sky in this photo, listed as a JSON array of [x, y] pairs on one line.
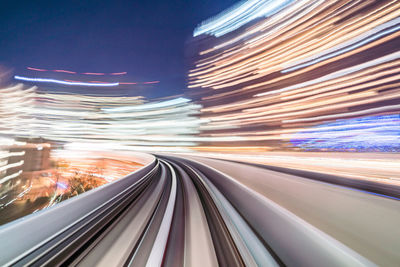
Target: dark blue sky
[[146, 38]]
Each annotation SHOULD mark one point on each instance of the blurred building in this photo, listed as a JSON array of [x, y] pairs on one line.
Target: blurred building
[[98, 121], [300, 75], [20, 161]]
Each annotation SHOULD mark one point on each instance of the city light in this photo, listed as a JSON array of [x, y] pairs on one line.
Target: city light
[[310, 65], [44, 80], [269, 135]]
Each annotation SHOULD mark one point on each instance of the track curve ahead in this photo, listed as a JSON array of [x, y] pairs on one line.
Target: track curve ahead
[[205, 212]]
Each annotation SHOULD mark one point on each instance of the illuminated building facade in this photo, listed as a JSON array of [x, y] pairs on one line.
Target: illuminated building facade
[[33, 121], [99, 122], [301, 75]]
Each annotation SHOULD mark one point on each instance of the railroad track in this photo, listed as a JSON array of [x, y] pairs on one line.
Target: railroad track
[[177, 212]]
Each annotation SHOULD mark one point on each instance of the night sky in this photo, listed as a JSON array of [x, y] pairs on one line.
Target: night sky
[[146, 38]]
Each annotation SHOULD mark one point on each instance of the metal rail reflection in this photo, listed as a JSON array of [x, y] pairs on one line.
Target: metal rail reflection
[[197, 211]]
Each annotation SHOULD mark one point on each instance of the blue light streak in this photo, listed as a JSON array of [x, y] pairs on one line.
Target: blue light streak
[[239, 15], [45, 80], [368, 134], [62, 185]]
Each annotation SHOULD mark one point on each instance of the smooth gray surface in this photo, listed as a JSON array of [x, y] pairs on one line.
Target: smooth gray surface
[[26, 234], [367, 223]]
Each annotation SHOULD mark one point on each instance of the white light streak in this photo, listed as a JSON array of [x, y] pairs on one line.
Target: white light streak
[[44, 80]]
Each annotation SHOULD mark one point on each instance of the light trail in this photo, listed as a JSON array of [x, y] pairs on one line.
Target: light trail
[[74, 72], [308, 65], [214, 212], [43, 80]]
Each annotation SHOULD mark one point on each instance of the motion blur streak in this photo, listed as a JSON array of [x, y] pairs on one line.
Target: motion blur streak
[[283, 152], [87, 122], [239, 15], [301, 71], [44, 80], [204, 212], [35, 69], [382, 132], [65, 71], [74, 72], [78, 82], [122, 121]]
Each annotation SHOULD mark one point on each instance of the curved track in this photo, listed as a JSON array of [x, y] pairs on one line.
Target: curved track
[[204, 212]]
